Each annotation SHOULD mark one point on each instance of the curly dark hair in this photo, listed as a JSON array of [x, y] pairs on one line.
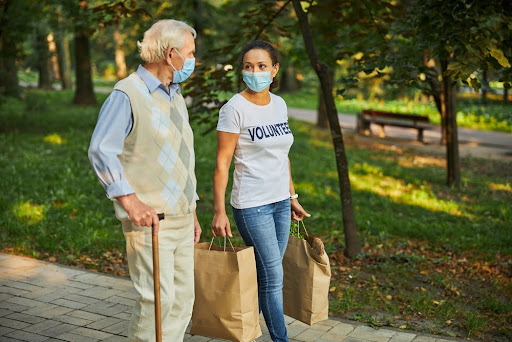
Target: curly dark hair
[[263, 45]]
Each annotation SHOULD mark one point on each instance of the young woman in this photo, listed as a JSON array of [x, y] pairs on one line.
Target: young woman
[[253, 126]]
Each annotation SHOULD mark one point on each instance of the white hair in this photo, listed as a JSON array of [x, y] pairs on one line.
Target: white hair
[[162, 35]]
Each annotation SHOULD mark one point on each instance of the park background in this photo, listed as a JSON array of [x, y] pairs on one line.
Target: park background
[[433, 254]]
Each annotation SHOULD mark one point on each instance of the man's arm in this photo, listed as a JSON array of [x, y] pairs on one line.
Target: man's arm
[[114, 124], [107, 143]]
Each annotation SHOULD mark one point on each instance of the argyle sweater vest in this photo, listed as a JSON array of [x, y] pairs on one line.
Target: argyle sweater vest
[[158, 155]]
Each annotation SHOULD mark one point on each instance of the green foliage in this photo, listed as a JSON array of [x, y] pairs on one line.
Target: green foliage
[[472, 35], [54, 207], [44, 162], [494, 116], [44, 156], [219, 71], [89, 16]]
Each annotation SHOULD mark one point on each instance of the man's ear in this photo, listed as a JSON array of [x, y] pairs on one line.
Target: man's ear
[[168, 54]]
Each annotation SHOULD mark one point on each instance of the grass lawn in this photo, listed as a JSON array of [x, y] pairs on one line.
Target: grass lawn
[[434, 259]]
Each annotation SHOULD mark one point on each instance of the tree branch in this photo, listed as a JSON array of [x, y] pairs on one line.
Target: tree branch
[[373, 20], [308, 36], [270, 20]]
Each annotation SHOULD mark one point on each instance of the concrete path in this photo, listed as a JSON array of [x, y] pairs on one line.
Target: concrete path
[[42, 301], [471, 142]]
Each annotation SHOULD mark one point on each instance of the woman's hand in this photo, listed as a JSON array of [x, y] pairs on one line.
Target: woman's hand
[[220, 225], [226, 143], [298, 212]]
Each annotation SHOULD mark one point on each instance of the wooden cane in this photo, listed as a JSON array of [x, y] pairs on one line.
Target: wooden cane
[[156, 282]]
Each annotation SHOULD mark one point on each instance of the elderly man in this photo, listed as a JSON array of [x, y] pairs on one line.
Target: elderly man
[[142, 151]]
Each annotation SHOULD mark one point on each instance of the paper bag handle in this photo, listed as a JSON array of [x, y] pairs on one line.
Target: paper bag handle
[[211, 243], [303, 226]]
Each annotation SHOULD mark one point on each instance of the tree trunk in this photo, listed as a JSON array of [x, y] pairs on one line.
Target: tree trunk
[[444, 121], [199, 25], [63, 53], [288, 82], [62, 44], [485, 85], [43, 54], [119, 55], [505, 95], [8, 71], [53, 57], [448, 99], [322, 118], [84, 94], [436, 93], [352, 245], [432, 77]]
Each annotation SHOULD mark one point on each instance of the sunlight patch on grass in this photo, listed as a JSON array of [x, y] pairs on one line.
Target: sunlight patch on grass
[[320, 143], [54, 139], [332, 174], [302, 128], [306, 188], [28, 212], [329, 192], [422, 162], [500, 187], [373, 180]]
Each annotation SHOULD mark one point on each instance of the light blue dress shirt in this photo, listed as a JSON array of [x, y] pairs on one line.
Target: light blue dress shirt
[[115, 122]]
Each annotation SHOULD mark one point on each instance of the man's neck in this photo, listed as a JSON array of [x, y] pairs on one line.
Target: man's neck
[[160, 71]]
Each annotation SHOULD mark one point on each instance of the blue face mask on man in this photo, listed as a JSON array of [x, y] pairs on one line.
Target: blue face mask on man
[[179, 76], [257, 81]]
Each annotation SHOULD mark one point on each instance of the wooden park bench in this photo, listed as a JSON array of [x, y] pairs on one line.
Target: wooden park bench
[[369, 116]]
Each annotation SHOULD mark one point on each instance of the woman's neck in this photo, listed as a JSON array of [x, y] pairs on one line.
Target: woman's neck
[[261, 98]]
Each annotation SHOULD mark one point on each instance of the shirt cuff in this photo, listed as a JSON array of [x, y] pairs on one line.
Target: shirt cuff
[[197, 197], [121, 188]]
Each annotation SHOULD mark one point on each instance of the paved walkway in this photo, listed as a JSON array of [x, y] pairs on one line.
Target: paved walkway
[[41, 301], [471, 142]]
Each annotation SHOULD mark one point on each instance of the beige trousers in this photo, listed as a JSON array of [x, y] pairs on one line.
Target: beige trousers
[[176, 249]]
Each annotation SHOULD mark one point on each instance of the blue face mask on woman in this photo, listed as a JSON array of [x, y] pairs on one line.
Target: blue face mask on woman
[[257, 81], [179, 76]]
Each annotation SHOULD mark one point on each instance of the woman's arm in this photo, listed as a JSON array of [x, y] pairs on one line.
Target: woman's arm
[[226, 143], [298, 212]]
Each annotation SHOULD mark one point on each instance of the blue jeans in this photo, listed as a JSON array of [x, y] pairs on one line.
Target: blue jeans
[[267, 228]]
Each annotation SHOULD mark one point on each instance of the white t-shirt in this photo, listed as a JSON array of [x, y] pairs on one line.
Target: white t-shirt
[[261, 173]]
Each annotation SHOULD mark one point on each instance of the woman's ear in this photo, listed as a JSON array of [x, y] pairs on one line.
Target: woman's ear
[[275, 70]]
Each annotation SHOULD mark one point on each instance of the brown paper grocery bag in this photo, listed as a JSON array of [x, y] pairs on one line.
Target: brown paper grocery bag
[[226, 304], [306, 282]]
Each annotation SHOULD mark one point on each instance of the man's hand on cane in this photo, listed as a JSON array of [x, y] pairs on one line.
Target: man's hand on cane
[[141, 214]]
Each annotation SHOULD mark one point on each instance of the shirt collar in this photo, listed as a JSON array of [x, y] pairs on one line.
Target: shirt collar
[[153, 83]]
